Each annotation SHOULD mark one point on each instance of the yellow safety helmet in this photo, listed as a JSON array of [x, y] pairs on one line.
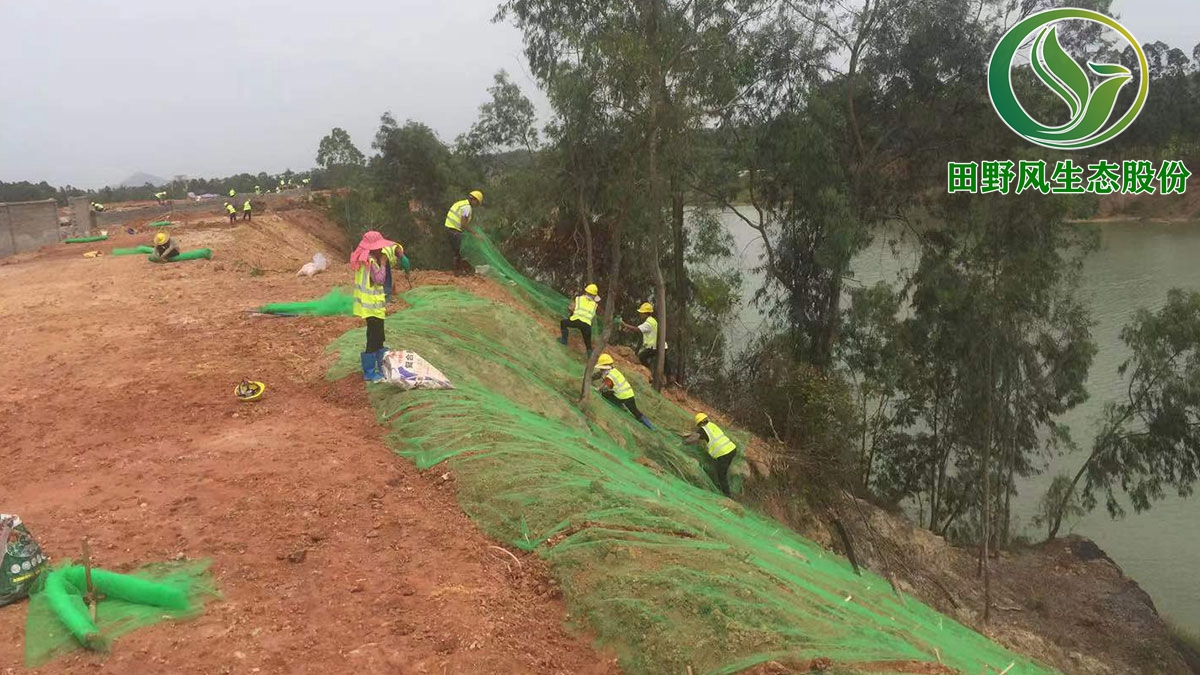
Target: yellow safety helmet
[[591, 289], [646, 308], [160, 238], [604, 360], [477, 195], [249, 390], [701, 418]]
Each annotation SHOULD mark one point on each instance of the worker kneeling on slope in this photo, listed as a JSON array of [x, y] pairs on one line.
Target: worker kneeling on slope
[[458, 217], [370, 264], [616, 389], [165, 248], [583, 311], [720, 448]]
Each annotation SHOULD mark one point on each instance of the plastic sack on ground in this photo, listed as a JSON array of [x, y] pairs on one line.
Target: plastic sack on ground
[[408, 370], [317, 266], [21, 560]]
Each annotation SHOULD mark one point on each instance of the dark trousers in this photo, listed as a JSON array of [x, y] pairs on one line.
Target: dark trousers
[[723, 462], [232, 218], [629, 403], [245, 215], [374, 334], [584, 330], [649, 357], [456, 241]]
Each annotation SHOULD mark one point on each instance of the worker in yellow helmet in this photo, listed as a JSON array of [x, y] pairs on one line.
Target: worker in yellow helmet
[[232, 211], [97, 207], [165, 249], [616, 389], [720, 448], [247, 210], [232, 193], [459, 217], [370, 302], [161, 197], [648, 351], [582, 312]]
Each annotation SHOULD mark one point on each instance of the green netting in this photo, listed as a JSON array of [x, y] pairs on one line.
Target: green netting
[[663, 569], [160, 223], [59, 622], [85, 240], [197, 254], [335, 303], [481, 250], [133, 251]]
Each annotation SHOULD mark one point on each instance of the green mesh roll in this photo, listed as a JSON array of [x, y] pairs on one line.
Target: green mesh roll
[[198, 254], [85, 240], [133, 251], [66, 602], [160, 223], [127, 588], [335, 303]]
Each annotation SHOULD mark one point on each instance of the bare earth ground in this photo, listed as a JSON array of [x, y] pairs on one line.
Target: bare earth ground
[[118, 421]]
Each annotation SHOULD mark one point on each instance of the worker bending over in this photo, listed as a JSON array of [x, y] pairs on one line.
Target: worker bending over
[[229, 208], [648, 352], [370, 303], [97, 207], [582, 312], [161, 197], [395, 258], [616, 389], [458, 217], [246, 210], [720, 448], [165, 248], [232, 193]]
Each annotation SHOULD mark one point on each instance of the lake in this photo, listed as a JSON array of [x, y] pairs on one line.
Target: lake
[[1135, 267]]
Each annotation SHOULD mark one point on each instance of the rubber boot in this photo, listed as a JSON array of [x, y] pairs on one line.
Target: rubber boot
[[563, 340], [370, 367], [646, 421]]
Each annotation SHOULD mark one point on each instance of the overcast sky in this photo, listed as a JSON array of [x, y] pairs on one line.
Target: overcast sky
[[92, 91]]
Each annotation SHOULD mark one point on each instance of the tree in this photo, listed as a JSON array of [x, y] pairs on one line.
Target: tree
[[1151, 440], [337, 150], [507, 121]]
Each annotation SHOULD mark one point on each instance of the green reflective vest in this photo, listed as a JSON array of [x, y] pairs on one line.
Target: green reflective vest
[[369, 299], [719, 444], [621, 387], [453, 220], [585, 309]]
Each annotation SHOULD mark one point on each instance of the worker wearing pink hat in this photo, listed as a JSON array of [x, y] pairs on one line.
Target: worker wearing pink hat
[[370, 271]]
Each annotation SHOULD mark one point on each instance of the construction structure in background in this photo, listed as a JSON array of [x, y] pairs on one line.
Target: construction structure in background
[[667, 572], [27, 226]]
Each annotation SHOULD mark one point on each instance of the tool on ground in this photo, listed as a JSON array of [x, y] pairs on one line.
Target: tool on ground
[[249, 390], [90, 597]]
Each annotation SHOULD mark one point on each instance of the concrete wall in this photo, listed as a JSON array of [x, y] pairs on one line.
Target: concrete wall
[[26, 226], [83, 221]]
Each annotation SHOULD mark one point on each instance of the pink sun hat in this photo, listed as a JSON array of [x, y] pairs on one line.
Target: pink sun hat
[[371, 241]]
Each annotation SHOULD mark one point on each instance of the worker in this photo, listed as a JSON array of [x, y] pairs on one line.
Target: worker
[[582, 311], [720, 448], [616, 389], [97, 207], [395, 258], [258, 189], [232, 193], [458, 217], [370, 303], [232, 211], [648, 352], [246, 209], [165, 248], [161, 197]]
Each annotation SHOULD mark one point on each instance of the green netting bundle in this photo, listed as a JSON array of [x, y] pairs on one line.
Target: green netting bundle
[[160, 223], [133, 251], [335, 303], [480, 250], [59, 621], [197, 254], [651, 557], [85, 240]]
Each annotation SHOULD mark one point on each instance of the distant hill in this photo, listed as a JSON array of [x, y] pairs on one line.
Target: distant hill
[[139, 179]]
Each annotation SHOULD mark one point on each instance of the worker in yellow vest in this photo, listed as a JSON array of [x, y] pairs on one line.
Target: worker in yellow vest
[[616, 389], [97, 207], [258, 189], [720, 448], [582, 312], [648, 351], [396, 257], [246, 210], [232, 211], [161, 197], [459, 217], [165, 248], [370, 301]]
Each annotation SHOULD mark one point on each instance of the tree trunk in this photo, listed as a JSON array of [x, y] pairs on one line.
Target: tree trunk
[[586, 221], [610, 295], [660, 308], [683, 291], [986, 516]]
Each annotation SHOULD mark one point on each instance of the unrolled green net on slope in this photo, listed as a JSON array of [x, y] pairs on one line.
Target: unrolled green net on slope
[[59, 620], [335, 303], [481, 250], [663, 569]]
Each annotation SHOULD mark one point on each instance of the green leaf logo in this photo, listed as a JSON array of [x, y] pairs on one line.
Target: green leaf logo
[[1092, 121]]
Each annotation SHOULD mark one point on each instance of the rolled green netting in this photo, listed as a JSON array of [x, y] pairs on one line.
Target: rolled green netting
[[335, 303], [85, 240], [59, 621], [160, 223], [481, 250], [664, 570], [197, 254], [133, 251]]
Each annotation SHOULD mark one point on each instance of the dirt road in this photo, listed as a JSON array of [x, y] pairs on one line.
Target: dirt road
[[117, 421]]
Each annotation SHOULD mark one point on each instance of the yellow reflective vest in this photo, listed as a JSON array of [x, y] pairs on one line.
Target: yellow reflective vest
[[453, 219], [369, 299], [585, 309], [621, 387], [650, 340], [246, 206], [719, 444], [230, 208]]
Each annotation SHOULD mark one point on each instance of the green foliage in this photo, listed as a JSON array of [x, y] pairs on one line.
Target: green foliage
[[337, 150], [1059, 504]]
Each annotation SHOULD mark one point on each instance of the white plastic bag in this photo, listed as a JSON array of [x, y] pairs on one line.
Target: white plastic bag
[[317, 265], [408, 370]]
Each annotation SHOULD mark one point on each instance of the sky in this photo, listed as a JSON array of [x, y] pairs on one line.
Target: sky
[[92, 91]]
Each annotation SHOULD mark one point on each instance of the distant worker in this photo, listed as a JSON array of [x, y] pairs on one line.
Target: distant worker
[[232, 211], [165, 248], [395, 258], [161, 197], [232, 193], [582, 312], [258, 189], [720, 448], [648, 352], [616, 389], [246, 209], [458, 217], [97, 207], [370, 302]]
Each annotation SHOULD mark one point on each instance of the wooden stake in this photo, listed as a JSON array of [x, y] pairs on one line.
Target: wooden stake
[[90, 596]]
